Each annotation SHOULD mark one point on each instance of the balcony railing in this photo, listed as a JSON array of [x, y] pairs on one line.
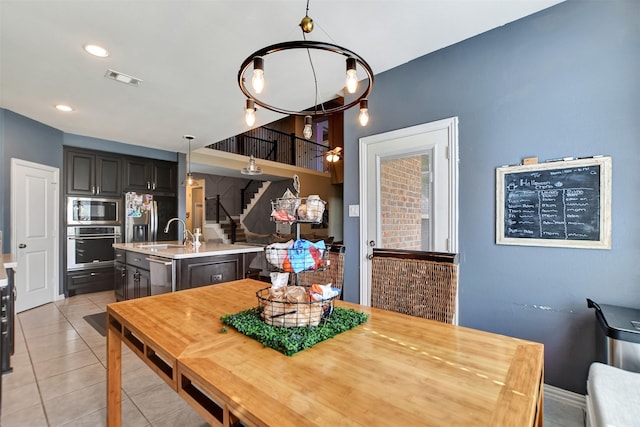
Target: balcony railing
[[270, 144]]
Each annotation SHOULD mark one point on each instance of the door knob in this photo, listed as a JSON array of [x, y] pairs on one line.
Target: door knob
[[370, 257], [372, 243], [22, 246]]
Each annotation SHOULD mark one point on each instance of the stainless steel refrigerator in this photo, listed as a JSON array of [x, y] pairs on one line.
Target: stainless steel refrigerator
[[146, 215]]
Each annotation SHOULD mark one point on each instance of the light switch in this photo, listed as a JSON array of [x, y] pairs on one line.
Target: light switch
[[354, 210]]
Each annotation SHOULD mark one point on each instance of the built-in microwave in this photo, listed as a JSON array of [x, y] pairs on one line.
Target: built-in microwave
[[93, 211]]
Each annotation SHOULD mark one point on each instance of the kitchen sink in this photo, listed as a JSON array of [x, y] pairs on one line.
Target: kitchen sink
[[162, 246]]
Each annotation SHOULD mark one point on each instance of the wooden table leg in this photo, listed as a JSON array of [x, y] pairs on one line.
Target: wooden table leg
[[114, 377]]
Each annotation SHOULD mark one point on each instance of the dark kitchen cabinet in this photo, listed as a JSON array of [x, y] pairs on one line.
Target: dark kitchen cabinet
[[91, 174], [138, 283], [89, 280], [120, 281], [150, 175], [138, 280], [203, 271]]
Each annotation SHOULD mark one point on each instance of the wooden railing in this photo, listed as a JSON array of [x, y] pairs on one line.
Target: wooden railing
[[270, 144]]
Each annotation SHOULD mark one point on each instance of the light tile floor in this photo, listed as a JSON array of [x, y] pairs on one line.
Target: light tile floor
[[59, 376]]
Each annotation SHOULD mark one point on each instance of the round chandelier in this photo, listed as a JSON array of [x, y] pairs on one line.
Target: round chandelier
[[256, 62]]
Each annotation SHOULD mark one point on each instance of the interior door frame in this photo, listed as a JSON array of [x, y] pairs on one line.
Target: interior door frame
[[56, 294], [449, 124]]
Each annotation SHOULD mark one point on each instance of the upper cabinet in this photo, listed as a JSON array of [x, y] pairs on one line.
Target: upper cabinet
[[92, 174], [150, 175]]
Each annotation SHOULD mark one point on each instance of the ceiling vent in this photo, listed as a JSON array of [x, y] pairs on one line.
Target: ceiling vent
[[122, 78]]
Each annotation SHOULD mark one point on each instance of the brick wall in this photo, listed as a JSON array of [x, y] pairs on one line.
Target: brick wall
[[400, 191]]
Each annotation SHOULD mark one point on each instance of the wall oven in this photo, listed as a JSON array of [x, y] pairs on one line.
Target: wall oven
[[93, 211], [91, 246]]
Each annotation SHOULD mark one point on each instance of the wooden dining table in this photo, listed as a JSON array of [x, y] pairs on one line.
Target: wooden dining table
[[394, 369]]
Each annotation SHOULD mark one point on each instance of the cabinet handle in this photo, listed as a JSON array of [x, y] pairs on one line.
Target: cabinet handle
[[148, 185], [98, 189], [153, 186], [93, 189]]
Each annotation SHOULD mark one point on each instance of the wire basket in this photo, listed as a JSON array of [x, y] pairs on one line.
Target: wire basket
[[298, 209], [293, 307], [291, 259]]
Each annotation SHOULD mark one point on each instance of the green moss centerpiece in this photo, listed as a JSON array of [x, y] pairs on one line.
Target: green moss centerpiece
[[292, 340]]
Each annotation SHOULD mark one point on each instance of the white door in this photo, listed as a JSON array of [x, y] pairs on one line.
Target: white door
[[408, 192], [34, 231]]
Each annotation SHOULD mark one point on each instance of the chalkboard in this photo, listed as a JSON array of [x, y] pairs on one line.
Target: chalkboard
[[566, 204]]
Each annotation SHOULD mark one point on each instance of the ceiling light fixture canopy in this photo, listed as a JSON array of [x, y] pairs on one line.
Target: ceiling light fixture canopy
[[190, 179], [258, 59]]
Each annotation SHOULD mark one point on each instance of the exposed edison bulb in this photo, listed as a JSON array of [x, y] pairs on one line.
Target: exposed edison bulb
[[352, 77], [257, 81], [364, 112], [190, 179], [307, 131], [250, 113]]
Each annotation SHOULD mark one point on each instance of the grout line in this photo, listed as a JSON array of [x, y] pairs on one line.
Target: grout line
[[33, 371]]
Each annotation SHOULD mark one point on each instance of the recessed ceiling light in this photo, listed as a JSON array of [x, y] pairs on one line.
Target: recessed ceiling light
[[95, 50], [64, 108], [122, 78]]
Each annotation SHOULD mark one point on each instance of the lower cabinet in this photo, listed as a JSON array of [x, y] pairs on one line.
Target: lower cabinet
[[87, 281], [138, 283], [203, 271], [120, 281], [131, 278]]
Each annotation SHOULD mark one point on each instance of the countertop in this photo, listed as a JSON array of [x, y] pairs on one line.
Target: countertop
[[175, 250], [7, 261]]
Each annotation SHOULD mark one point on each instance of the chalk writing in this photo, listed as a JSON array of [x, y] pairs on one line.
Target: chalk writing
[[560, 204]]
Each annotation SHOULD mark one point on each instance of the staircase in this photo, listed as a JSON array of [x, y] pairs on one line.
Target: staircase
[[226, 228], [223, 229], [254, 198]]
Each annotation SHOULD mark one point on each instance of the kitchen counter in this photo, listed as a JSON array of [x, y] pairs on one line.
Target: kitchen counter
[[7, 261], [151, 268], [175, 250]]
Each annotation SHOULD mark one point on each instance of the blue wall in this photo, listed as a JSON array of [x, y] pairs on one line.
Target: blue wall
[[563, 82], [27, 139]]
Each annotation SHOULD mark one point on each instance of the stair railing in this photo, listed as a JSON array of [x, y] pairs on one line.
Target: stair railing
[[233, 223]]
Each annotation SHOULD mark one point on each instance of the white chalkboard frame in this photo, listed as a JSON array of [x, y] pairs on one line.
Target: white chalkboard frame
[[605, 204]]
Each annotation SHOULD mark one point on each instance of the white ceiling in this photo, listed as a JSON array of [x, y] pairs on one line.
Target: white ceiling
[[188, 54]]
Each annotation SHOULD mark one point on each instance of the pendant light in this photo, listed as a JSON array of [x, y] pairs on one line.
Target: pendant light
[[258, 74], [352, 78], [307, 131], [253, 91], [251, 168], [189, 180], [250, 113], [364, 112]]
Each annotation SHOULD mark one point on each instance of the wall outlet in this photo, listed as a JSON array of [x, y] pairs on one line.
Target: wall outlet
[[354, 210]]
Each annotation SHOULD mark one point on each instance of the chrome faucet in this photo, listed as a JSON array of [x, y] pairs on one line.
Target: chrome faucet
[[185, 233]]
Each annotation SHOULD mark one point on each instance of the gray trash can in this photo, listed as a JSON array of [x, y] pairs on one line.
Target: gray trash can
[[617, 335]]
